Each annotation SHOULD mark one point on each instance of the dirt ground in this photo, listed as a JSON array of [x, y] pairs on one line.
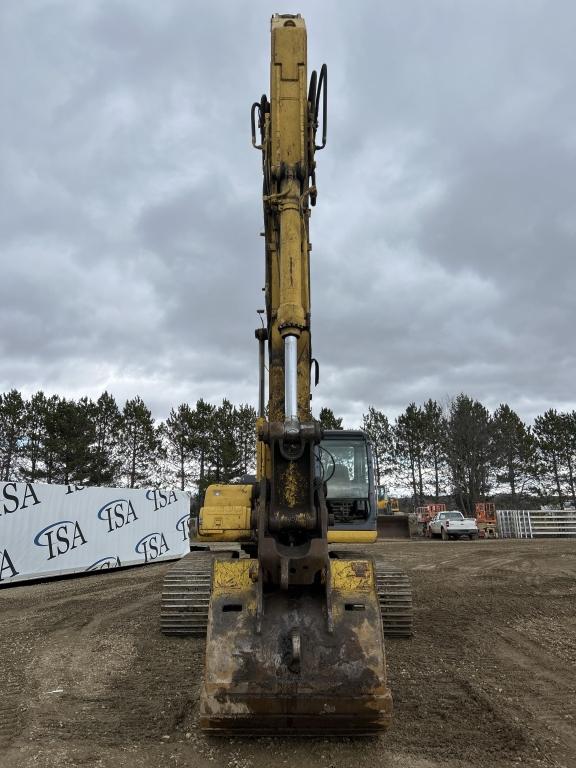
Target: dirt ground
[[489, 680]]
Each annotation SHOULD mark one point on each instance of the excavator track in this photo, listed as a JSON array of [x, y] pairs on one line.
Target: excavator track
[[395, 597], [186, 595]]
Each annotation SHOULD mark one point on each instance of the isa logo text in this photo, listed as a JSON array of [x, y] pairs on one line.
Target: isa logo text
[[60, 537], [117, 514], [152, 546], [7, 569], [161, 499], [15, 499], [183, 525]]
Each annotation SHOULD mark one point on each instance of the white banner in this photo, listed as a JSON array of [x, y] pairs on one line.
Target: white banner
[[49, 530]]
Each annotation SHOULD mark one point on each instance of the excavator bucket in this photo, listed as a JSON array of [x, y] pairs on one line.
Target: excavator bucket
[[393, 527], [314, 663]]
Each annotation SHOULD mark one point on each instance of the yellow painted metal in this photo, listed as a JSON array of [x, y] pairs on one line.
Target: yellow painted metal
[[286, 212], [288, 92], [222, 495], [389, 505], [262, 453], [352, 577], [233, 577], [226, 514], [224, 523], [352, 537]]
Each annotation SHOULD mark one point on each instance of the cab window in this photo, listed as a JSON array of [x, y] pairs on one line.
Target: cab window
[[345, 468]]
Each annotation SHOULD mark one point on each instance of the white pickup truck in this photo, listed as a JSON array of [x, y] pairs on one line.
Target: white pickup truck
[[452, 525]]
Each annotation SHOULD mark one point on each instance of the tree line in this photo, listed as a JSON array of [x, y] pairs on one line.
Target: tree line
[[461, 452], [53, 439], [458, 451]]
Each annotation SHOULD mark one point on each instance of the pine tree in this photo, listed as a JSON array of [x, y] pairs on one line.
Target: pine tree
[[569, 429], [106, 462], [245, 437], [204, 428], [50, 438], [328, 420], [69, 440], [435, 439], [140, 441], [179, 435], [513, 449], [550, 446], [410, 443], [227, 458], [12, 418], [377, 427], [469, 451], [34, 436]]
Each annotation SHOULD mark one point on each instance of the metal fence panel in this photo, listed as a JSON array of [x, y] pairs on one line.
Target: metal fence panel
[[531, 523]]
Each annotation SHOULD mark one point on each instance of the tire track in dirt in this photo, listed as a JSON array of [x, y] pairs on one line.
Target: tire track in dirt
[[463, 603], [113, 689], [11, 716], [548, 690], [44, 645], [82, 661]]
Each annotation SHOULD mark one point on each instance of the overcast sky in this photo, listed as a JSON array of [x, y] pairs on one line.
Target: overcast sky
[[444, 236]]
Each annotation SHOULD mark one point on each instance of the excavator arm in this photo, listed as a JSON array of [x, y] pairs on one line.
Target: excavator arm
[[295, 639], [295, 636]]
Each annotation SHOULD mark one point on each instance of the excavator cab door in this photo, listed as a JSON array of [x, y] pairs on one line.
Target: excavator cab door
[[344, 464]]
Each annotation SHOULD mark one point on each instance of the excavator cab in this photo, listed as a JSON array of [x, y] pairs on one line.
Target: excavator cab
[[345, 464]]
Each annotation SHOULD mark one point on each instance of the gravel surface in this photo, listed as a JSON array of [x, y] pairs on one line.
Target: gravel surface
[[489, 680]]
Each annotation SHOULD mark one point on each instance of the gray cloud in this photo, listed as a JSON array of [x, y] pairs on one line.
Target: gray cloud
[[443, 237]]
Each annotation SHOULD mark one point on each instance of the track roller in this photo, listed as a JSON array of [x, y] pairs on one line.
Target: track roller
[[186, 595], [187, 585], [395, 597]]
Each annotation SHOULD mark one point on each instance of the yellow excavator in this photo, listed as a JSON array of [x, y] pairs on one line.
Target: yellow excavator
[[294, 627]]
